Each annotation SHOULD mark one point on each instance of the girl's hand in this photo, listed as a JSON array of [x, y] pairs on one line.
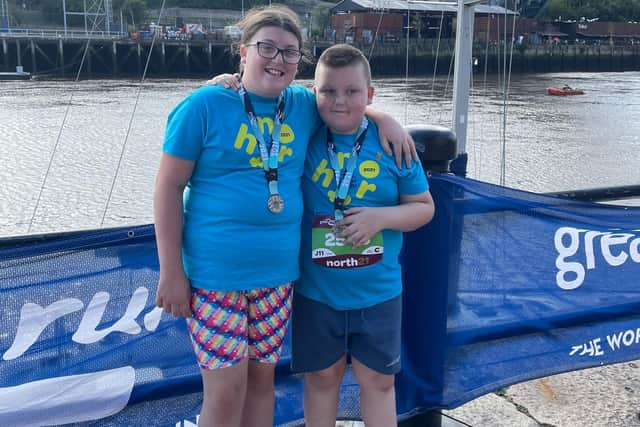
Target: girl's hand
[[174, 295], [360, 225], [226, 80], [392, 135]]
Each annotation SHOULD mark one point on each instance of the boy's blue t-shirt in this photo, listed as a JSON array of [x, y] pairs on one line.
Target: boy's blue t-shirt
[[230, 239], [376, 182]]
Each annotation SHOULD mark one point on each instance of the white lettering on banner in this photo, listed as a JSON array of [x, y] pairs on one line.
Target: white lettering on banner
[[187, 423], [626, 338], [616, 249], [592, 348], [616, 341], [35, 318]]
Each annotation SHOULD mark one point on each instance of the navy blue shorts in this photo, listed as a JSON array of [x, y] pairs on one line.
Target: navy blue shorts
[[321, 335]]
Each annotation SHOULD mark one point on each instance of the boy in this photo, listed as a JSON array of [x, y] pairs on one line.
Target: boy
[[357, 204]]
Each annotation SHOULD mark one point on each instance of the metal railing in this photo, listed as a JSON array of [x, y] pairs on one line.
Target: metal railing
[[61, 34]]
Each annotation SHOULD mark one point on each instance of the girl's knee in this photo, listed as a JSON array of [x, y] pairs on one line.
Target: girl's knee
[[261, 376]]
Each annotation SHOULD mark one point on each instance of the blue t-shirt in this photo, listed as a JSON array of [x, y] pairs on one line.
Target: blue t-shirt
[[230, 239], [376, 182]]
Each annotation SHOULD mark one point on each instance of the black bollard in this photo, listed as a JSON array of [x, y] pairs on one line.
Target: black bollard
[[436, 146]]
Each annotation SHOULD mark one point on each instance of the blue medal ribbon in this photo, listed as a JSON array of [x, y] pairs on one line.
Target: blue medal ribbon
[[269, 155], [343, 182]]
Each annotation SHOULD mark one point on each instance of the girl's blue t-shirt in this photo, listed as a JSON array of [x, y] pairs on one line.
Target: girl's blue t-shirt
[[231, 241], [376, 182]]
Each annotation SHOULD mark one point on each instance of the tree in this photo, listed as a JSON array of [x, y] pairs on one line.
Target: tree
[[133, 11], [320, 20], [604, 10]]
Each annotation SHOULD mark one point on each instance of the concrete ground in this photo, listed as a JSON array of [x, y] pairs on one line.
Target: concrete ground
[[600, 397]]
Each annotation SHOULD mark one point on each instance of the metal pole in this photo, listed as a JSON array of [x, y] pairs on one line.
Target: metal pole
[[107, 15], [5, 14], [64, 15], [242, 13], [84, 2], [462, 70]]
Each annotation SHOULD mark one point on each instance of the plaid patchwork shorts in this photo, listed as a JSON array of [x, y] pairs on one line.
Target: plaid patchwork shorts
[[226, 327]]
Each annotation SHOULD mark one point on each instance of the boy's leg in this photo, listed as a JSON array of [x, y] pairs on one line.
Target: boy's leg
[[269, 311], [375, 357], [377, 396], [321, 391], [318, 349], [218, 330]]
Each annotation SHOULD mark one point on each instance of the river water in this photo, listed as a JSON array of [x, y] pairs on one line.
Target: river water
[[551, 143]]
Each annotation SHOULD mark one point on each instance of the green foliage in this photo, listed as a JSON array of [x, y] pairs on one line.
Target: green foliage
[[604, 10], [133, 11], [209, 4], [320, 20]]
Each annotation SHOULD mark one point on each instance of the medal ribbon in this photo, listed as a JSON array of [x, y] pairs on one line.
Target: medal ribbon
[[269, 156], [343, 182]]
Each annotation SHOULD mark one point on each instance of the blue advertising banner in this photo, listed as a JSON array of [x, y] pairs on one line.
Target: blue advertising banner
[[503, 286], [530, 285]]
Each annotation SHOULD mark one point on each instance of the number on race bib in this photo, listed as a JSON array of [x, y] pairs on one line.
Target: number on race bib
[[332, 240]]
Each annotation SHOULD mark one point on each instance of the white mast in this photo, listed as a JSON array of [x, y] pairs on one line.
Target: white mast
[[462, 70]]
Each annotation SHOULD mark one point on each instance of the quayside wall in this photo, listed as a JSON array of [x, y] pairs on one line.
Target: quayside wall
[[124, 57]]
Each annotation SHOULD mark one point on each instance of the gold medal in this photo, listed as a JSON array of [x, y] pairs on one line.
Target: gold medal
[[275, 203]]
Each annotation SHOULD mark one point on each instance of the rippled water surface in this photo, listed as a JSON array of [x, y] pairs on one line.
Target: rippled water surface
[[552, 143]]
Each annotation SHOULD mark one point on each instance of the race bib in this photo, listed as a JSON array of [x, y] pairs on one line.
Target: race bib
[[331, 251]]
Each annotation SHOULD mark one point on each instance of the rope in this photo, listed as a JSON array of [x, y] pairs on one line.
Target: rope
[[131, 117], [57, 143], [446, 86], [435, 63], [406, 68], [375, 36], [503, 152], [478, 163], [505, 91]]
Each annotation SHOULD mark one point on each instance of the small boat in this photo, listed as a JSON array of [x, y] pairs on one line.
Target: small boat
[[564, 91]]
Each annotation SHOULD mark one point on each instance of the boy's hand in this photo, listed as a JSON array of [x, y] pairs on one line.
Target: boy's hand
[[174, 295], [360, 225], [226, 80]]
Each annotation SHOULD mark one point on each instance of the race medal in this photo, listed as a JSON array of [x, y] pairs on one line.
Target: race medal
[[338, 230], [330, 250], [269, 155], [275, 203]]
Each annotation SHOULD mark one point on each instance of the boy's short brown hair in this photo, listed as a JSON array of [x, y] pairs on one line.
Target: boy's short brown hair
[[343, 55]]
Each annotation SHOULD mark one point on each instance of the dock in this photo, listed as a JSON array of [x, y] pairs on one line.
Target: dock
[[15, 75]]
